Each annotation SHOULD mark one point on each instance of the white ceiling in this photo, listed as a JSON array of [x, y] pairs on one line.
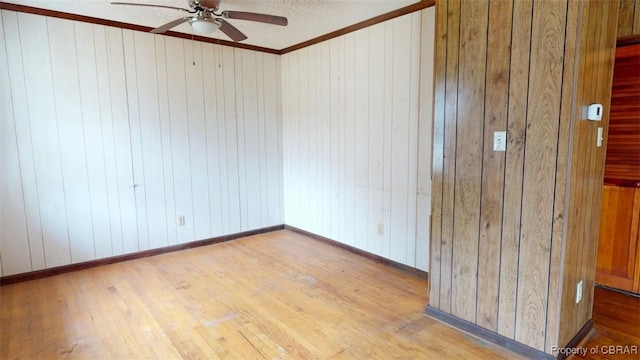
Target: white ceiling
[[308, 19]]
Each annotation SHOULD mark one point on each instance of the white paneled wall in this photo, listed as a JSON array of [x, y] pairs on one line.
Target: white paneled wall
[[107, 135], [357, 119]]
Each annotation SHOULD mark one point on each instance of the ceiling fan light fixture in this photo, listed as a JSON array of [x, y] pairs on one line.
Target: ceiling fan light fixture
[[203, 25]]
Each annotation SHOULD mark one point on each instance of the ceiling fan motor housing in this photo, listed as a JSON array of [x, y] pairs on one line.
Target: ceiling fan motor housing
[[209, 5]]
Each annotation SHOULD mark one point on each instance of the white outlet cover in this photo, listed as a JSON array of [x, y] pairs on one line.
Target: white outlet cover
[[499, 141], [579, 292]]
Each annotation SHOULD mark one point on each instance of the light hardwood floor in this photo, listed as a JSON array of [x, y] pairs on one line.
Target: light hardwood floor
[[277, 295], [616, 322]]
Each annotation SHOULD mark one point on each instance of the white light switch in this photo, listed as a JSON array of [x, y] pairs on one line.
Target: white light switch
[[600, 137], [499, 141]]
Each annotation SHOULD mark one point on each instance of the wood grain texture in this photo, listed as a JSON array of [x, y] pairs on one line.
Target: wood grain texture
[[564, 163], [437, 183], [585, 181], [491, 209], [281, 295], [468, 170], [514, 165], [543, 117], [425, 144], [629, 19], [623, 140], [582, 145], [618, 244], [534, 201], [452, 20], [616, 323], [606, 59], [34, 275]]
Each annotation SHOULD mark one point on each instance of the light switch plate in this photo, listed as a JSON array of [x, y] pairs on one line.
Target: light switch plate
[[499, 141]]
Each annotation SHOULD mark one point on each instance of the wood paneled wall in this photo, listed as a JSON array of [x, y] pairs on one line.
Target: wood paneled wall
[[356, 135], [593, 82], [109, 134], [622, 166], [513, 231], [629, 18]]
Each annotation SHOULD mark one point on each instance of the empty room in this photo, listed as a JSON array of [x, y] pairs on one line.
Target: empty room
[[351, 179]]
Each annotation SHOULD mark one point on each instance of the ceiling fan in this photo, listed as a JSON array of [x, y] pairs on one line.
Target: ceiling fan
[[204, 19]]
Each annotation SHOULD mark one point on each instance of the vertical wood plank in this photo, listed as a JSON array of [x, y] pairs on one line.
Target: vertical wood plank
[[581, 142], [450, 131], [20, 117], [387, 139], [178, 115], [251, 139], [362, 140], [324, 63], [571, 61], [151, 184], [626, 18], [240, 127], [412, 144], [547, 46], [602, 90], [586, 180], [400, 133], [310, 120], [514, 165], [141, 240], [376, 139], [66, 92], [262, 149], [197, 141], [425, 139], [231, 135], [14, 238], [330, 60], [349, 139], [468, 164], [290, 76], [165, 140], [121, 144], [221, 123], [278, 116], [44, 139], [301, 162], [212, 119], [436, 262], [271, 68], [493, 166], [93, 146], [105, 131]]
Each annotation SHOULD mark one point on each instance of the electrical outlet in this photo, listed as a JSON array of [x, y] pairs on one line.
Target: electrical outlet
[[380, 229], [579, 291], [499, 141], [180, 220]]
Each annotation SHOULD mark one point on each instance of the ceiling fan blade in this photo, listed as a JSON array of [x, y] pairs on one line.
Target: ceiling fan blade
[[231, 31], [169, 25], [153, 5], [264, 18]]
